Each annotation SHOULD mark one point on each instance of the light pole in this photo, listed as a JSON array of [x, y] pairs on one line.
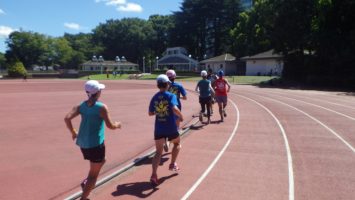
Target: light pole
[[143, 64], [157, 61], [101, 59], [189, 62]]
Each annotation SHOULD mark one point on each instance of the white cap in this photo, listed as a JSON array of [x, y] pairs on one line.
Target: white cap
[[162, 78], [92, 87], [203, 73], [171, 73]]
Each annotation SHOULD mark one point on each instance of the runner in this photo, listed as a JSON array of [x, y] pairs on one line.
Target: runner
[[164, 106], [205, 89], [212, 77], [178, 90], [221, 93], [91, 136]]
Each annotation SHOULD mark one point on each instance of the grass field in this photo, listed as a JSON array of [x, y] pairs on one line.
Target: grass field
[[231, 79]]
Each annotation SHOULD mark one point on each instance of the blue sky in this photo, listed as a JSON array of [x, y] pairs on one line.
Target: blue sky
[[56, 17]]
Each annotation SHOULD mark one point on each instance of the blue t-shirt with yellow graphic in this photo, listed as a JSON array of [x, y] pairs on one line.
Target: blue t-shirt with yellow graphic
[[162, 105], [177, 89]]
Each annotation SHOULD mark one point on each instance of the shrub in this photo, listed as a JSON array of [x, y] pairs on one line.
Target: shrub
[[17, 70]]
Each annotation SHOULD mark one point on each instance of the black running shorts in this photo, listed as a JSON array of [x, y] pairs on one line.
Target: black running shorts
[[95, 154]]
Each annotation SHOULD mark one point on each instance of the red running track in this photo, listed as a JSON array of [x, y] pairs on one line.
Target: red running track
[[274, 144]]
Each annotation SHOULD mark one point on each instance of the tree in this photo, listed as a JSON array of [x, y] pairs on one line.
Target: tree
[[26, 47], [160, 38], [83, 43], [252, 32], [203, 25], [16, 70], [126, 37]]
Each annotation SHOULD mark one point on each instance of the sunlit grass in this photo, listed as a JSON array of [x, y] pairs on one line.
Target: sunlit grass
[[231, 79]]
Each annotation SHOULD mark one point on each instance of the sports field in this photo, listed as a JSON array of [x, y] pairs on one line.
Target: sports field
[[275, 144]]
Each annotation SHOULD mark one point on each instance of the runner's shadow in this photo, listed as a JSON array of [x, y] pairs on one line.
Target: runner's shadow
[[216, 122], [139, 189], [148, 161]]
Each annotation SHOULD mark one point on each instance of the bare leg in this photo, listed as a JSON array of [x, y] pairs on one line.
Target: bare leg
[[92, 178], [220, 110], [159, 144], [176, 149]]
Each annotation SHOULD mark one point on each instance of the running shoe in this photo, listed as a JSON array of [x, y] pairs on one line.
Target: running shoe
[[174, 167], [154, 180], [83, 184]]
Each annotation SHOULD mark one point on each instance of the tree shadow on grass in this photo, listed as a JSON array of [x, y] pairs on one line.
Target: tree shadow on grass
[[139, 189]]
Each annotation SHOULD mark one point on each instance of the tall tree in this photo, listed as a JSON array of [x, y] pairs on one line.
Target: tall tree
[[126, 37], [26, 47], [204, 25]]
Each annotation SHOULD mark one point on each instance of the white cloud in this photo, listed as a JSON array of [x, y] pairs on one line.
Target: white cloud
[[115, 2], [112, 2], [5, 31], [130, 7], [122, 5], [2, 12], [73, 26]]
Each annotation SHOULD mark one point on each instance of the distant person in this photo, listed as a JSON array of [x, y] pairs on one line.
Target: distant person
[[24, 77], [90, 138], [107, 74], [205, 89], [180, 92], [220, 86], [164, 107]]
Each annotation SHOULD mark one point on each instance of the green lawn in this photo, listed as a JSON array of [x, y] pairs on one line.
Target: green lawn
[[231, 79]]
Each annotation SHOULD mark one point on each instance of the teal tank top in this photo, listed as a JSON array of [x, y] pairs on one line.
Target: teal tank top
[[92, 127], [204, 87]]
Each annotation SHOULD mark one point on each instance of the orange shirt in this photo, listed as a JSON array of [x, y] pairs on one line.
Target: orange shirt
[[220, 86]]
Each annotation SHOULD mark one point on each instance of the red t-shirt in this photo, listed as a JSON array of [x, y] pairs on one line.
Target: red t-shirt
[[220, 87]]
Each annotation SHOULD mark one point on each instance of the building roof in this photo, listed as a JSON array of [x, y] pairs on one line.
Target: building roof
[[109, 62], [221, 58], [264, 55], [173, 59]]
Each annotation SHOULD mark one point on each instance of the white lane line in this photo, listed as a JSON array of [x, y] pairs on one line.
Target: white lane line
[[123, 169], [211, 166], [291, 181], [329, 102], [321, 123], [330, 110]]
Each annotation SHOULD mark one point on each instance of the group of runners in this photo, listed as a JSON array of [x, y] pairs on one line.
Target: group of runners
[[165, 105]]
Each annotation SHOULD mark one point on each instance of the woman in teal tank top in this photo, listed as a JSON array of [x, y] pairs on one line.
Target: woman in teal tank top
[[90, 139], [205, 89]]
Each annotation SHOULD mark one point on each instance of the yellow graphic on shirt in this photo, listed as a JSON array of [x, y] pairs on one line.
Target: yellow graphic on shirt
[[161, 108], [174, 90]]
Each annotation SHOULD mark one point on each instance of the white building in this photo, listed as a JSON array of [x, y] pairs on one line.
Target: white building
[[101, 65], [225, 62], [264, 64], [177, 58]]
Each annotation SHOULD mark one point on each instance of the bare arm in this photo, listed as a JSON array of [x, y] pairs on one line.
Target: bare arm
[[104, 113], [196, 89], [151, 113], [178, 113], [67, 119], [211, 88], [184, 97], [229, 86]]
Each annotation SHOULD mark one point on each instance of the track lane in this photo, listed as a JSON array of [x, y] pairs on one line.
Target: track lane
[[322, 162]]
